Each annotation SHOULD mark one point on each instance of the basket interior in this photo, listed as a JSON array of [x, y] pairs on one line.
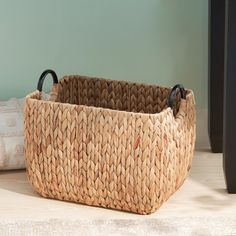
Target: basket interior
[[117, 95]]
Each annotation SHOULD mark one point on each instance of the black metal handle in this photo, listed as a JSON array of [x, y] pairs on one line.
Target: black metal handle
[[43, 76], [172, 97]]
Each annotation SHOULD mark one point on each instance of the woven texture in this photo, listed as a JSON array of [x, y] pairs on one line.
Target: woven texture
[[108, 143]]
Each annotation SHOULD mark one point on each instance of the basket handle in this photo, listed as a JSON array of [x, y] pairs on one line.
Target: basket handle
[[43, 76], [172, 96]]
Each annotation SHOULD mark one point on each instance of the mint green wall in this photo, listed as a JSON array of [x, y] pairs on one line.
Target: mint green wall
[[153, 41]]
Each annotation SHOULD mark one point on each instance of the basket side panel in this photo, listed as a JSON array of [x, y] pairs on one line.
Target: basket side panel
[[179, 142], [92, 156]]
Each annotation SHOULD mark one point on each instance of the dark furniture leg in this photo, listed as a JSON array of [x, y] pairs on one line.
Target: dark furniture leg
[[229, 143], [216, 73]]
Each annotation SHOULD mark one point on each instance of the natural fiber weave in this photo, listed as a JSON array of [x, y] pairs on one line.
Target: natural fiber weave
[[108, 143]]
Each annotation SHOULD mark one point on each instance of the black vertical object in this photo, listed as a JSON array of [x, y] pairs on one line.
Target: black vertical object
[[216, 73], [229, 144]]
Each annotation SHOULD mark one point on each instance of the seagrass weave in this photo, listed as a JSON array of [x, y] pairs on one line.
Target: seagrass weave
[[108, 143]]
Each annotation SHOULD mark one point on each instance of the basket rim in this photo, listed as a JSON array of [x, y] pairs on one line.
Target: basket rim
[[165, 111], [189, 96]]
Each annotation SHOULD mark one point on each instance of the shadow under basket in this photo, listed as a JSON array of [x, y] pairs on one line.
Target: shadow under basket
[[114, 144]]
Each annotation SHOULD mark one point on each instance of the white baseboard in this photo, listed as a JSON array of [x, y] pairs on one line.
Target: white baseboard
[[202, 139]]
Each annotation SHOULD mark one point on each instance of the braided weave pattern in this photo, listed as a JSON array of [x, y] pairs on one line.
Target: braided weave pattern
[[108, 143]]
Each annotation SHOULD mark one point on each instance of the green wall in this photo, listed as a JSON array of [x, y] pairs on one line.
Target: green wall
[[153, 41]]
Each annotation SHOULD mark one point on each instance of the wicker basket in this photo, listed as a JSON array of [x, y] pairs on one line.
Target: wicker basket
[[114, 144]]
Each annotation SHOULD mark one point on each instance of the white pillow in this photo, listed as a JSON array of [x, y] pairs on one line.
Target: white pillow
[[11, 134]]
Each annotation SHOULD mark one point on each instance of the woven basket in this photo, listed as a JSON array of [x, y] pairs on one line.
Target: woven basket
[[114, 144]]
